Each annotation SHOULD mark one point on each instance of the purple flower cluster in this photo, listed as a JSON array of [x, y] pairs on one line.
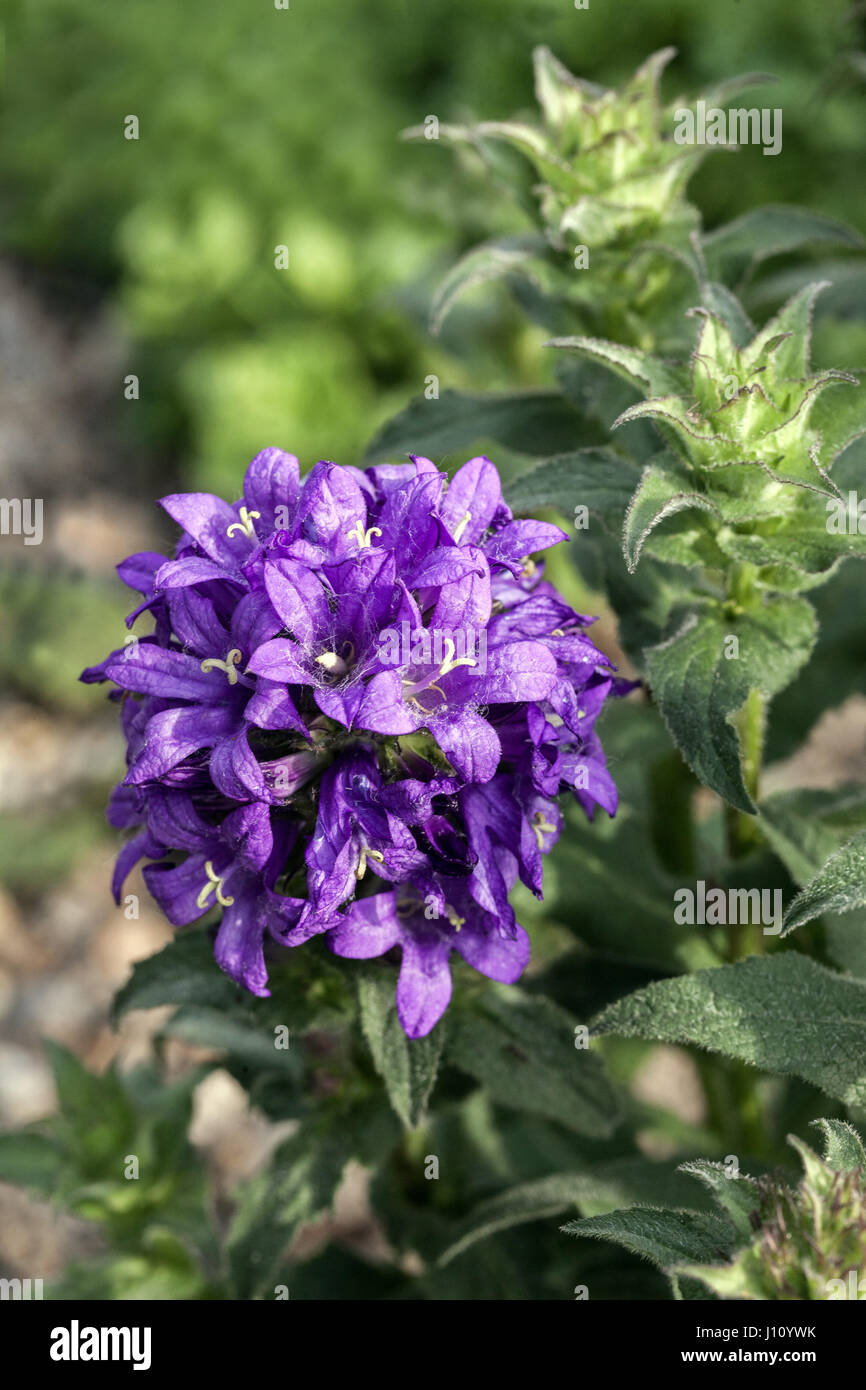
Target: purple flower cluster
[[292, 763]]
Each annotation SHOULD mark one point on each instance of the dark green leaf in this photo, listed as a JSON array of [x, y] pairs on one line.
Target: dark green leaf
[[667, 1238], [183, 972], [843, 1147], [523, 1052], [839, 886], [30, 1160], [598, 479], [700, 690], [783, 1013], [407, 1066], [734, 251], [493, 260], [536, 423]]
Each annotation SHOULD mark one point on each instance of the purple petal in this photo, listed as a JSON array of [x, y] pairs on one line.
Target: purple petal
[[247, 832], [281, 660], [254, 622], [138, 571], [174, 734], [502, 958], [298, 598], [470, 744], [271, 482], [142, 846], [176, 888], [195, 623], [208, 520], [424, 984], [330, 507], [238, 948], [272, 707], [147, 669], [236, 771], [176, 574], [517, 671], [518, 540], [382, 709], [370, 928], [475, 490]]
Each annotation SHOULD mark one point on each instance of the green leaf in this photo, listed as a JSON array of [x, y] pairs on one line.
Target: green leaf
[[666, 1238], [183, 972], [492, 260], [843, 1147], [86, 1100], [408, 1066], [783, 1013], [839, 886], [598, 479], [664, 489], [30, 1160], [531, 1201], [719, 301], [734, 251], [651, 375], [522, 1050], [787, 336], [624, 911], [840, 418], [298, 1186], [616, 1183], [700, 690], [738, 1196], [536, 423], [805, 826], [251, 1040]]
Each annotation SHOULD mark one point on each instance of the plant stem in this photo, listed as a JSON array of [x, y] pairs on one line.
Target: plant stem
[[743, 833]]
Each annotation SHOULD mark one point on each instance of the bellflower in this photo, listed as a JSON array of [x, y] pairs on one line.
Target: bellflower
[[355, 714]]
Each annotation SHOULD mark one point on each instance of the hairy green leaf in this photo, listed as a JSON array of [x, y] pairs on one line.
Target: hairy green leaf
[[702, 676], [535, 423], [839, 886], [408, 1066], [783, 1013], [522, 1050], [664, 489], [598, 479]]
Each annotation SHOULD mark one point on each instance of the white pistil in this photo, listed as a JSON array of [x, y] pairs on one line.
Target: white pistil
[[362, 536], [540, 825], [450, 661], [461, 525], [333, 664], [366, 854], [245, 525], [214, 663], [214, 883], [450, 913]]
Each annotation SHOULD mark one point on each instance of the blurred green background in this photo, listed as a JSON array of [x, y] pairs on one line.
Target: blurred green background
[[258, 128]]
